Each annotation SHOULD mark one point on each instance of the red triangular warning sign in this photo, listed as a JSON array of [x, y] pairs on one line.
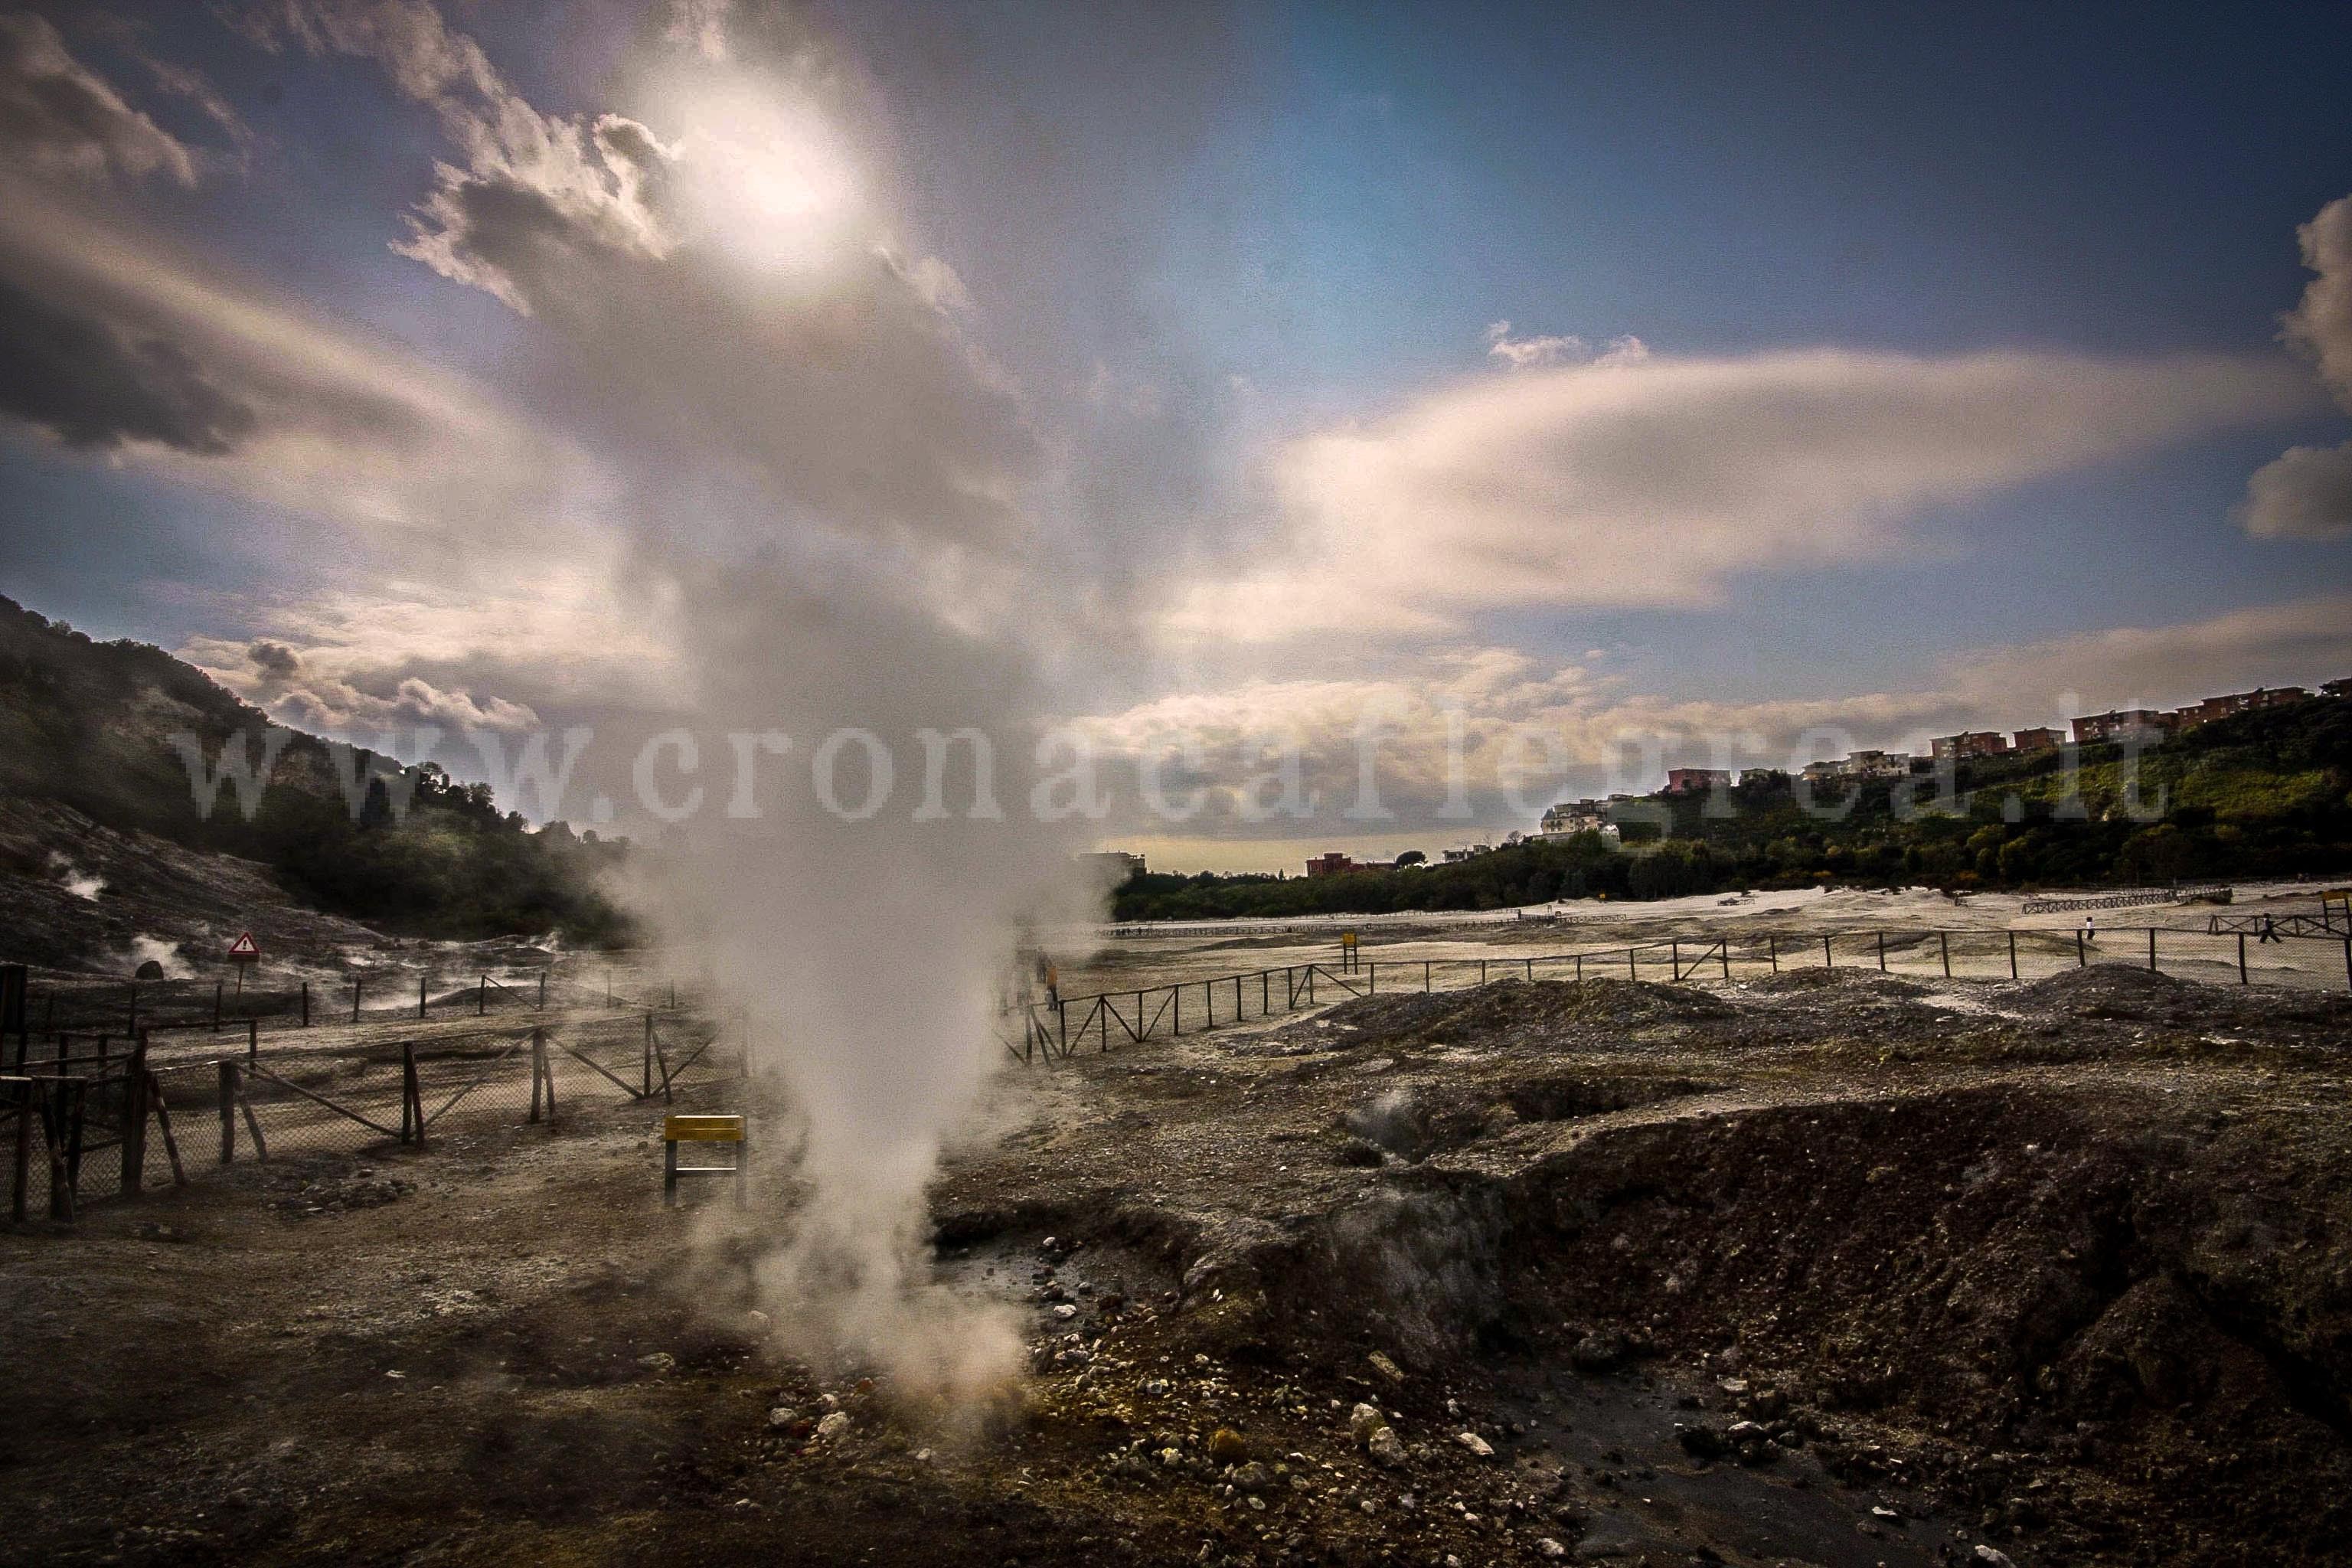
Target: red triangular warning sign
[[244, 947]]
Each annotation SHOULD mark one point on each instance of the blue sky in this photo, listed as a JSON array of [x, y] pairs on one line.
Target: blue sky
[[1193, 311]]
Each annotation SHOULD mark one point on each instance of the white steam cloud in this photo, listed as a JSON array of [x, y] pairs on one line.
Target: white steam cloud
[[815, 463]]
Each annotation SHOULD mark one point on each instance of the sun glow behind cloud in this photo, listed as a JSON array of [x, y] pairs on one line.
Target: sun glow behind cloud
[[760, 172]]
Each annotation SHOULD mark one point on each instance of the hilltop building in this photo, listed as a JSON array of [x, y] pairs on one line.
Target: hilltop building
[[2123, 724], [1865, 764], [2043, 740], [2221, 707], [1696, 781], [1573, 817], [1966, 744], [1116, 865]]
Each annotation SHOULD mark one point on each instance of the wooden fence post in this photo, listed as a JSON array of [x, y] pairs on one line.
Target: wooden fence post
[[356, 985], [134, 1119], [228, 1111], [217, 989], [1945, 937], [2082, 958], [482, 998], [306, 1004], [420, 998], [412, 1097], [161, 1107], [542, 990], [2151, 950], [2013, 955], [1827, 962], [1723, 952], [68, 1102], [2241, 958], [253, 1039], [23, 1164], [1882, 953]]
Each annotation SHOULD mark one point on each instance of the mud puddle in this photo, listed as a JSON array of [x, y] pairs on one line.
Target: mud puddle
[[1619, 1439]]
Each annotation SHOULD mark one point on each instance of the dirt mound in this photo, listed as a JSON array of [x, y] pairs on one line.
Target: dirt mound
[[1812, 982], [1414, 1125], [2106, 985], [1513, 1012], [1995, 1266]]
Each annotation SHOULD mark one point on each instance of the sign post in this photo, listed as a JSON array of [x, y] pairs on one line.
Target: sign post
[[244, 952]]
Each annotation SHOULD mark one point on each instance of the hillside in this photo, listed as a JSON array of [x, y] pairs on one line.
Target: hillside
[[89, 776], [2261, 794]]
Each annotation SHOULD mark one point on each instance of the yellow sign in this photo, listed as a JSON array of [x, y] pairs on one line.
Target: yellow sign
[[703, 1128], [1347, 938]]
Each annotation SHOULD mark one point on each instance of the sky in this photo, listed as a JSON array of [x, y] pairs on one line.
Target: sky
[[1466, 406]]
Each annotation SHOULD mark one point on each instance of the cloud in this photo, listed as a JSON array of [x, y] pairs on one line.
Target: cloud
[[337, 709], [1524, 353], [2321, 323], [575, 644], [2306, 492], [728, 298], [275, 660], [58, 117], [111, 341], [701, 26], [1660, 480], [1495, 717], [96, 383], [2294, 643]]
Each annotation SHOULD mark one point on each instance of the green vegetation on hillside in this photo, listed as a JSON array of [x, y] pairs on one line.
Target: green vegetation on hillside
[[2266, 792], [89, 724]]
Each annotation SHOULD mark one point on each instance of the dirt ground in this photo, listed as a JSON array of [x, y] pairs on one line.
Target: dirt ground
[[1836, 1269]]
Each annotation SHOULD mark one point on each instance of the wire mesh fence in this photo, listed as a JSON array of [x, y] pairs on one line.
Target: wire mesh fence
[[80, 1130]]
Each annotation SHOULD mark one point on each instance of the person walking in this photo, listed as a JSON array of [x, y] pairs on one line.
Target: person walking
[[2091, 930]]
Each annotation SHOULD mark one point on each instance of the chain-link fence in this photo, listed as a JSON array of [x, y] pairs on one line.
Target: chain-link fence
[[82, 1130]]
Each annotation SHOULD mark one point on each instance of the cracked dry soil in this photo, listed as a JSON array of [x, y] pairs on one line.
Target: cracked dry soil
[[1829, 1268]]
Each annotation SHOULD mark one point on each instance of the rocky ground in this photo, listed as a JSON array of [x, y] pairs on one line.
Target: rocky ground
[[84, 899], [1831, 1269]]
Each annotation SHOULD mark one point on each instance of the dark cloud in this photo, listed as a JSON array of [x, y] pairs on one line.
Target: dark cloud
[[57, 116], [91, 385], [275, 660]]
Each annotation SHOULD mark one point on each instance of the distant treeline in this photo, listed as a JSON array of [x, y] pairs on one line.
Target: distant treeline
[[2261, 794], [89, 724]]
